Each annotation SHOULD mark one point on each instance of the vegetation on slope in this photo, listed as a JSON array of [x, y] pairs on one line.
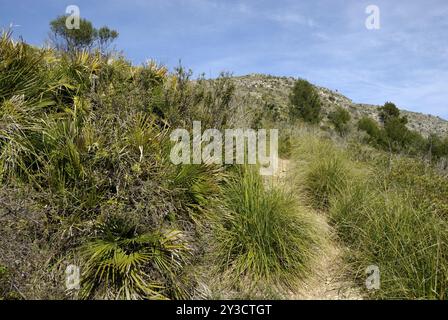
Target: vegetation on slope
[[86, 179], [380, 216]]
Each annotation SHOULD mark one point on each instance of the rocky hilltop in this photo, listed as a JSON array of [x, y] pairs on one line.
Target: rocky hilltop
[[275, 90]]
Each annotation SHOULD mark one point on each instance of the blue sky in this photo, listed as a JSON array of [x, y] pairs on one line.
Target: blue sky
[[324, 41]]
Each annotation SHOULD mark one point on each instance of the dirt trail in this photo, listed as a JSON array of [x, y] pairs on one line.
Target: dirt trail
[[329, 279]]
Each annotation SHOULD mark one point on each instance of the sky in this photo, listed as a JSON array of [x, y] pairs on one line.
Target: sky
[[324, 41]]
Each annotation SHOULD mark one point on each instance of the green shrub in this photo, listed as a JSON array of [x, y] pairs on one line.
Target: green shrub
[[193, 188], [437, 147], [369, 126], [125, 262], [340, 119], [79, 69], [397, 135], [394, 136], [389, 111], [305, 102], [83, 145], [24, 75]]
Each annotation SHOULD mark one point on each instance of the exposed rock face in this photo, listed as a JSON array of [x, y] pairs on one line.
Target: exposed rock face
[[275, 90]]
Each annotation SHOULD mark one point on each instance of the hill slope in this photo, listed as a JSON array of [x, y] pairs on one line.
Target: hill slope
[[275, 90]]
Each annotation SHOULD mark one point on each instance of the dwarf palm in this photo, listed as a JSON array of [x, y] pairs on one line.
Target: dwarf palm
[[126, 263]]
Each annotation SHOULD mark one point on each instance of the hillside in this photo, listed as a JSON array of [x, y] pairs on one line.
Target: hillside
[[275, 90], [93, 205]]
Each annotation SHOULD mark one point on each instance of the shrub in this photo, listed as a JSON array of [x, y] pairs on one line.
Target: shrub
[[389, 111], [79, 68], [400, 138], [371, 128], [194, 187], [81, 147], [24, 75], [394, 136], [124, 262], [305, 102], [340, 119], [437, 147]]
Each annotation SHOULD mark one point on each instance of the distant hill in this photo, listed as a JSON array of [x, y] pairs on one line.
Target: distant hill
[[270, 89]]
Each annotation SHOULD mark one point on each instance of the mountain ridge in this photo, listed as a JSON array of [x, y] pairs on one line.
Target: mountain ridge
[[275, 90]]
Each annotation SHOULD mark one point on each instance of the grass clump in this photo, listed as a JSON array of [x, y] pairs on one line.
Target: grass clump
[[263, 235], [324, 179], [408, 244], [323, 169]]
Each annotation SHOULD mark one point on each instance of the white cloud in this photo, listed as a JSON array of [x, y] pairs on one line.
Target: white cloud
[[288, 18]]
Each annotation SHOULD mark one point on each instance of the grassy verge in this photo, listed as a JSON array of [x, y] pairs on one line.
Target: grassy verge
[[382, 223]]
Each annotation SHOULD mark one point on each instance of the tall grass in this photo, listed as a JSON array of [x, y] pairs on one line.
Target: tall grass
[[322, 169], [381, 222], [263, 235], [408, 244]]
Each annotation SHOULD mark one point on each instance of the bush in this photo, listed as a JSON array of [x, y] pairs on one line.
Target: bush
[[371, 128], [305, 102], [125, 262], [340, 119], [86, 150], [437, 147], [394, 136], [389, 111], [24, 75], [262, 236]]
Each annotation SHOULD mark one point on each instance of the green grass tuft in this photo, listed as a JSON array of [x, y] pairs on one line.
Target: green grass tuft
[[263, 235]]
